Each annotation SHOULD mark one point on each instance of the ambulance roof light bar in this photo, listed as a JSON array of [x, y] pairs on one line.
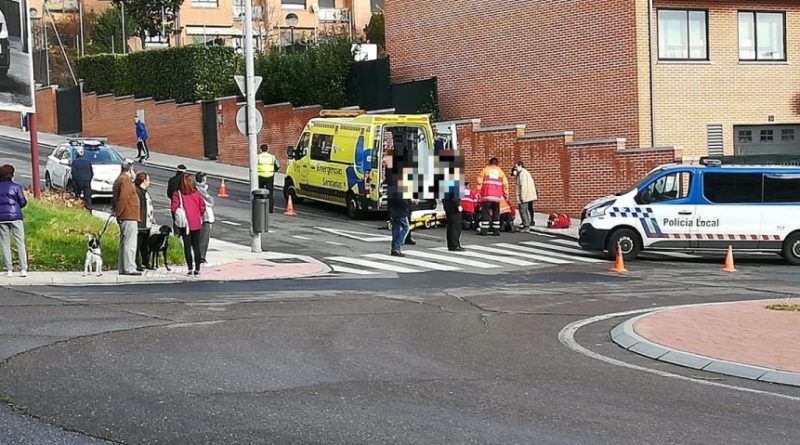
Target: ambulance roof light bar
[[341, 113]]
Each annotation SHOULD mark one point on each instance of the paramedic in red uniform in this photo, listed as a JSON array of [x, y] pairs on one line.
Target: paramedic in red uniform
[[468, 206], [494, 188]]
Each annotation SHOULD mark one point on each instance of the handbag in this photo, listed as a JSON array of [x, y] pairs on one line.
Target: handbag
[[181, 221]]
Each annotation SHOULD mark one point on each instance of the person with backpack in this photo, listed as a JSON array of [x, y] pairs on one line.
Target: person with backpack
[[188, 208]]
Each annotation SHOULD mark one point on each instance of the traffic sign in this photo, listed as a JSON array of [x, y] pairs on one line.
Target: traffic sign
[[243, 88], [241, 121]]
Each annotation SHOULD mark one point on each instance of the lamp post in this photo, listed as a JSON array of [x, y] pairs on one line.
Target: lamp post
[[291, 22], [124, 37]]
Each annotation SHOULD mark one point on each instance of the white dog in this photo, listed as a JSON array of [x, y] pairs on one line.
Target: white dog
[[94, 257]]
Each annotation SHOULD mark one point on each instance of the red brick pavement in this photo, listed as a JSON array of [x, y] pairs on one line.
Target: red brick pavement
[[743, 332]]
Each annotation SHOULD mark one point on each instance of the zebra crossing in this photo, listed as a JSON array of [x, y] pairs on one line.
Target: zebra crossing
[[477, 258]]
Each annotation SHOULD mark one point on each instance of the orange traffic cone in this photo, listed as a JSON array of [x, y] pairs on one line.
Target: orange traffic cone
[[223, 190], [729, 267], [290, 208], [619, 264]]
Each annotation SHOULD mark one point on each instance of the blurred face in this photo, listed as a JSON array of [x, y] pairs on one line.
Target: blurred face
[[146, 182], [136, 119]]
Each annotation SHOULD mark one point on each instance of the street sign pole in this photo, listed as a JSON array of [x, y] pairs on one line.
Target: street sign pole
[[33, 129], [250, 93]]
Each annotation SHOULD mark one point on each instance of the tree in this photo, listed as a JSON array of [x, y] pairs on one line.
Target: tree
[[151, 17], [106, 36], [375, 31]]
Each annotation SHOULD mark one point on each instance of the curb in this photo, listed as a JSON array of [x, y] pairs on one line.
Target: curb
[[625, 336]]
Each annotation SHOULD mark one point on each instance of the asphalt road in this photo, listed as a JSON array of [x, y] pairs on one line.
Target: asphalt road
[[340, 362]]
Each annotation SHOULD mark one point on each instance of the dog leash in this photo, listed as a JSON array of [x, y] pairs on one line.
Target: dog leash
[[105, 227]]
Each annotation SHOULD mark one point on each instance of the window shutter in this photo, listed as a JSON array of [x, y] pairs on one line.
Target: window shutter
[[714, 135]]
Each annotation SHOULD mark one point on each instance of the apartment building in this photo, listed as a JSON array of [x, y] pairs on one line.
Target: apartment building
[[282, 22], [708, 76]]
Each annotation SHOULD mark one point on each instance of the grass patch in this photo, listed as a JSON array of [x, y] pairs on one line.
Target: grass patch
[[56, 232], [784, 307]]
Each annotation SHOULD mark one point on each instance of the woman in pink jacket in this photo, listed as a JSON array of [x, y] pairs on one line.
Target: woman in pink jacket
[[193, 204]]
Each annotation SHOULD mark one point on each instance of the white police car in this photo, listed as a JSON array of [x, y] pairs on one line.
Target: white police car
[[106, 164], [699, 208]]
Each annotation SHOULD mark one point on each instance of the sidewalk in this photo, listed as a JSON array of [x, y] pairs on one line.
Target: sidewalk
[[231, 172], [742, 339]]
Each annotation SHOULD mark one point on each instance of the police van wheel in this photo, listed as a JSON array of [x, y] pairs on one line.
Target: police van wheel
[[353, 210], [791, 249], [628, 242]]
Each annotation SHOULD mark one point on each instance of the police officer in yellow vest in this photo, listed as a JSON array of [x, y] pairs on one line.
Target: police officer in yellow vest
[[268, 164]]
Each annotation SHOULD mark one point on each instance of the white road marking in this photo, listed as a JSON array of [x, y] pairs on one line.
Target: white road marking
[[361, 236], [680, 255], [334, 243], [566, 242], [243, 201], [546, 235], [451, 259], [157, 184], [567, 338], [583, 259], [372, 264], [345, 269], [532, 253], [301, 237], [413, 262], [230, 223], [555, 247], [514, 253], [495, 258]]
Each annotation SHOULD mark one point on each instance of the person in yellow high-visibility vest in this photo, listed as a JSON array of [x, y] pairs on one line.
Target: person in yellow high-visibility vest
[[268, 164]]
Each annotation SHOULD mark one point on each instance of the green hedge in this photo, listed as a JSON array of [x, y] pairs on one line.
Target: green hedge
[[315, 75], [185, 74]]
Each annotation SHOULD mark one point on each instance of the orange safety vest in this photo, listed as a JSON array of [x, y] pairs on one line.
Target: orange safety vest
[[493, 183], [504, 207]]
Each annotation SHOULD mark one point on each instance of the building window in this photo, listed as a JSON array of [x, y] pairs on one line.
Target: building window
[[327, 4], [745, 136], [787, 135], [682, 34], [293, 4], [766, 136], [205, 4], [377, 6], [762, 35]]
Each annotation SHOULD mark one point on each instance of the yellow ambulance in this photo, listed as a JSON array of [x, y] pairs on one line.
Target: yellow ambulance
[[342, 156]]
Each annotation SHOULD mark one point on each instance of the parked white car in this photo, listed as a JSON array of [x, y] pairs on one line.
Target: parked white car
[[106, 164]]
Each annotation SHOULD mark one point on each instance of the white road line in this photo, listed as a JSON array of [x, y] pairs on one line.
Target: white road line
[[230, 223], [567, 338], [301, 237], [546, 235], [334, 243], [412, 262], [513, 253], [566, 242], [157, 184], [555, 247], [532, 253], [243, 201], [451, 259], [582, 259], [495, 258], [372, 264], [344, 269]]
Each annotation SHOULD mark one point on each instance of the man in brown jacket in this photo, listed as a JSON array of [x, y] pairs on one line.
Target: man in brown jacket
[[125, 207]]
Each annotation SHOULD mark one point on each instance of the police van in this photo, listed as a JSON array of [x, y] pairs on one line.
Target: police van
[[340, 158], [699, 208]]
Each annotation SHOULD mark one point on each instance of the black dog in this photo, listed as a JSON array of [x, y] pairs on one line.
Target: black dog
[[159, 243]]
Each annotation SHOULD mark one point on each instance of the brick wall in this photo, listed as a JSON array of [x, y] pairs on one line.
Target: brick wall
[[723, 90], [173, 129], [568, 173], [282, 127], [45, 112], [550, 64]]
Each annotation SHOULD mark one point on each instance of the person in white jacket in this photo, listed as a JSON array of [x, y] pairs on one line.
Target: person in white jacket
[[208, 216], [526, 195]]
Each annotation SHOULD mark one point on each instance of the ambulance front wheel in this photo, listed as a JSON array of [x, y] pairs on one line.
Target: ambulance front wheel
[[289, 190], [628, 241], [791, 249]]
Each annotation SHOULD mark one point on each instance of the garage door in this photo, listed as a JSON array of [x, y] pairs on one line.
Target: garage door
[[767, 139]]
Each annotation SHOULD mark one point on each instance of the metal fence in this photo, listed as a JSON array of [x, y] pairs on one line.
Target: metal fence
[[370, 87]]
